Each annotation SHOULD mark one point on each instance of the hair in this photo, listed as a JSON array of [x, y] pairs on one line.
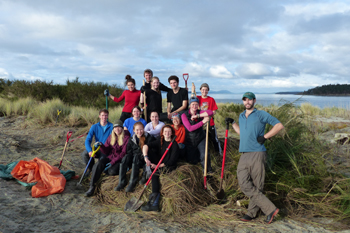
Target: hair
[[162, 136], [173, 77], [114, 138], [134, 108], [129, 79], [152, 79], [153, 112], [143, 137], [103, 110], [149, 71]]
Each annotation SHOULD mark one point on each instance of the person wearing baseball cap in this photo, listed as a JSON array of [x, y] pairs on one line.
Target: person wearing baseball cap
[[251, 165]]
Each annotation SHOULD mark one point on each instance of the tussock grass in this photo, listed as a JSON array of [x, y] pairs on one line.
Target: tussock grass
[[46, 112]]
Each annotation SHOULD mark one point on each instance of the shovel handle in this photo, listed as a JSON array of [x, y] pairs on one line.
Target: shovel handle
[[185, 77], [92, 156], [69, 134], [224, 155], [206, 156]]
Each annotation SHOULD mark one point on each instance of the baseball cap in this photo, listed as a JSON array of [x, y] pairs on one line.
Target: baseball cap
[[118, 123], [249, 95]]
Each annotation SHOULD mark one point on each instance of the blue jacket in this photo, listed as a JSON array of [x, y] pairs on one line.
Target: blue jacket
[[100, 136], [253, 127]]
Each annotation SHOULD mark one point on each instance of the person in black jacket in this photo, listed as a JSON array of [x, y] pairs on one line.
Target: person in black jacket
[[153, 99], [168, 164], [133, 158]]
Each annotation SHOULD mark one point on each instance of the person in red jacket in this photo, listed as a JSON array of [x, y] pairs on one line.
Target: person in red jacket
[[131, 96], [115, 149]]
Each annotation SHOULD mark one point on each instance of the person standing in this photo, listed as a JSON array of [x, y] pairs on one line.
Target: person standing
[[178, 97], [206, 102], [131, 96], [251, 165], [148, 74], [101, 132], [153, 98]]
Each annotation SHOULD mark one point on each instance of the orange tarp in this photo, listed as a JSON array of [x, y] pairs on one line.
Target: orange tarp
[[49, 179]]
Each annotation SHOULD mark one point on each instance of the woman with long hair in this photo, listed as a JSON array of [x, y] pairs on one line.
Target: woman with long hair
[[153, 98], [168, 164], [155, 126], [131, 96], [136, 117], [115, 149], [133, 158]]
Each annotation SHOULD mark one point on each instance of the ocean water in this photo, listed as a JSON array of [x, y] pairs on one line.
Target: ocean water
[[278, 99]]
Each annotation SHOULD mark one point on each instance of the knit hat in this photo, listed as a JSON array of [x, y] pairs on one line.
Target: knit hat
[[118, 123], [175, 115], [249, 95], [194, 99], [204, 85]]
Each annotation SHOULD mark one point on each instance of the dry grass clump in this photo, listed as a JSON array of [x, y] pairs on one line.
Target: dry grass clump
[[46, 112]]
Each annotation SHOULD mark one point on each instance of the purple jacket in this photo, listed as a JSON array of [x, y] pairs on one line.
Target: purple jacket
[[116, 153]]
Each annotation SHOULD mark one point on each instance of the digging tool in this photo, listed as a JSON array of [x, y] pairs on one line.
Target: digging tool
[[206, 155], [106, 94], [135, 203], [87, 166], [221, 194], [185, 77], [78, 137], [69, 134], [144, 101], [58, 113]]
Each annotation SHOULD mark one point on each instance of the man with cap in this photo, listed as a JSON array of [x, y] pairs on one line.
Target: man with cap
[[115, 150], [251, 165], [193, 120], [206, 102], [178, 97]]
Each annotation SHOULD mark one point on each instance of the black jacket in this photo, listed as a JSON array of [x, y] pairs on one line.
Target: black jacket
[[195, 137]]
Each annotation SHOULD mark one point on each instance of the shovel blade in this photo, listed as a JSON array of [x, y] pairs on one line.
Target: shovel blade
[[133, 205], [220, 194]]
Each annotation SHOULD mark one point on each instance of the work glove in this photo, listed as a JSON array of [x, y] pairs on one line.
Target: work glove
[[108, 165], [229, 120], [106, 93], [181, 146], [148, 172], [97, 144], [261, 139]]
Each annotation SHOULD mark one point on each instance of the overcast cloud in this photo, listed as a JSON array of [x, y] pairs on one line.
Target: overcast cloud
[[262, 46]]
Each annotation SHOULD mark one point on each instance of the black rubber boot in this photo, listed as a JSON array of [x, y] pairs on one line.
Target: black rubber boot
[[122, 177], [144, 174], [133, 178], [153, 203], [91, 191]]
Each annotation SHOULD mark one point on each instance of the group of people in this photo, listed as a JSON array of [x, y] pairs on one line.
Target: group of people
[[138, 140]]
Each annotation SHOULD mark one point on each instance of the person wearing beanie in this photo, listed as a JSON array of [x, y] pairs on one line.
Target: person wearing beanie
[[206, 102], [251, 165], [115, 149], [193, 120]]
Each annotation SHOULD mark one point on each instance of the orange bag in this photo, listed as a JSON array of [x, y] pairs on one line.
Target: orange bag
[[49, 179]]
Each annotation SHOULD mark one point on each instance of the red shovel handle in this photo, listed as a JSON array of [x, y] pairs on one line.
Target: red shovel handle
[[185, 77], [224, 155], [69, 134]]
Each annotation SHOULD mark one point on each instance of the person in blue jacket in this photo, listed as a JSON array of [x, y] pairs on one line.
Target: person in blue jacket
[[101, 132]]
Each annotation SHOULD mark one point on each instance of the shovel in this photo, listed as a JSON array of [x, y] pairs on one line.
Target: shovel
[[206, 156], [185, 77], [69, 134], [92, 156], [144, 101], [135, 203], [221, 194]]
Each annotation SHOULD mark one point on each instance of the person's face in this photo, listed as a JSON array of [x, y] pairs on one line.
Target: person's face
[[138, 130], [174, 84], [154, 117], [148, 77], [118, 130], [155, 84], [249, 104], [176, 121], [167, 132], [131, 86], [194, 106], [204, 91], [136, 113], [103, 116]]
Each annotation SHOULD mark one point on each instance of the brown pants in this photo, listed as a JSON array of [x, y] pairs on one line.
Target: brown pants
[[251, 178]]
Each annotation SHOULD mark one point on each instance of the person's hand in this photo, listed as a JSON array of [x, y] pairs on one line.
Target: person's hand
[[148, 163], [181, 146], [261, 139], [153, 166], [90, 153], [229, 120], [108, 165], [193, 117], [170, 116], [106, 92], [205, 120]]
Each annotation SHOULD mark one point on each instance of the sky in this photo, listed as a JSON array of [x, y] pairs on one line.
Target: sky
[[261, 46]]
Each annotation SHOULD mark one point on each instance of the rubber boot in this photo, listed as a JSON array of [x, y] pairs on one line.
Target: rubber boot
[[144, 178], [122, 177], [91, 191], [133, 178], [153, 203]]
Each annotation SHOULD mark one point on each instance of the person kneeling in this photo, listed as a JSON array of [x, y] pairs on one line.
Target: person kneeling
[[115, 148], [168, 164]]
